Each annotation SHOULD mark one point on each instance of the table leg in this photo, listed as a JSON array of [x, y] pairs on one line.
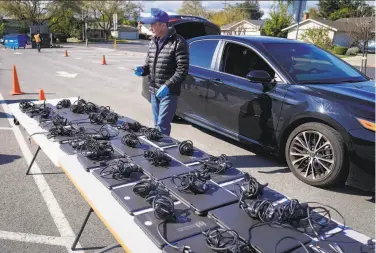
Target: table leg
[[32, 161], [82, 229], [108, 248]]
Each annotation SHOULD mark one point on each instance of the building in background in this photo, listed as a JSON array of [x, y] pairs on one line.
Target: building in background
[[244, 27], [338, 31]]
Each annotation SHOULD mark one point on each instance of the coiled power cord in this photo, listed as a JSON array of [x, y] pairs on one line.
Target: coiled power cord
[[152, 134], [216, 164], [65, 103], [120, 169], [186, 148], [133, 127], [193, 182], [225, 240], [131, 140], [157, 157], [96, 150]]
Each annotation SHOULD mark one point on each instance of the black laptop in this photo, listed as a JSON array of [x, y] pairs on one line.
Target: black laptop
[[261, 236], [132, 202], [157, 172], [165, 141], [138, 150], [195, 156], [186, 225], [197, 244], [230, 174], [109, 176], [214, 197], [346, 244]]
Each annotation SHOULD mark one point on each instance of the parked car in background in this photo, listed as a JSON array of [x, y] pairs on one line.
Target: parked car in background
[[2, 41], [370, 46], [187, 26], [290, 97]]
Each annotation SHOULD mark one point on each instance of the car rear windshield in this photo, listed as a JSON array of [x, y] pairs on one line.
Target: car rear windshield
[[308, 64]]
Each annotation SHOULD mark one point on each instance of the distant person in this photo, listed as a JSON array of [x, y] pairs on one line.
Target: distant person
[[37, 40], [166, 66]]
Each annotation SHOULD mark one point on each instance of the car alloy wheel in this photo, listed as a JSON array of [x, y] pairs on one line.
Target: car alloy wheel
[[312, 155]]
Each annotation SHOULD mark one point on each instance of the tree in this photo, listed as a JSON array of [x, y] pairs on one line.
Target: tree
[[279, 19], [361, 30], [193, 8], [68, 24], [336, 9], [132, 13], [228, 16], [2, 29], [103, 12], [37, 12], [313, 12], [317, 36], [252, 7]]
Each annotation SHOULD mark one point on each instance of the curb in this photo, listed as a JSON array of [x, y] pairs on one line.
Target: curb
[[110, 49]]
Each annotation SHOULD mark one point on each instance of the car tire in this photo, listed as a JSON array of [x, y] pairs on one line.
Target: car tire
[[334, 154]]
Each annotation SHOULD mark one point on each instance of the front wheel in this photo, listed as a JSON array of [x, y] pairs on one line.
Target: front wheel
[[315, 153]]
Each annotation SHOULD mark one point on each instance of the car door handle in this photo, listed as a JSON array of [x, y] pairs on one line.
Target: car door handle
[[216, 81]]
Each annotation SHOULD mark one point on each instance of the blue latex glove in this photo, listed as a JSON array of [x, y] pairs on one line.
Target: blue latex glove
[[162, 91], [139, 71]]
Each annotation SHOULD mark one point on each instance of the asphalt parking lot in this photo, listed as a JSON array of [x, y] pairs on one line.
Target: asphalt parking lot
[[41, 213]]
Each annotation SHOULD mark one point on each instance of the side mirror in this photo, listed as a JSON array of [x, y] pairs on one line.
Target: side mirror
[[259, 76]]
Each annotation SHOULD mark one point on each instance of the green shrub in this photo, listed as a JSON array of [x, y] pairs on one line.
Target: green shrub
[[318, 36], [340, 50], [352, 51]]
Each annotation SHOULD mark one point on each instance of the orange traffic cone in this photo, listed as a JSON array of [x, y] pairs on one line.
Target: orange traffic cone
[[104, 60], [66, 53], [41, 95], [16, 84]]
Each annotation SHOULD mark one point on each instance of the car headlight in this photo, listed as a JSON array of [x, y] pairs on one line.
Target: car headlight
[[367, 124]]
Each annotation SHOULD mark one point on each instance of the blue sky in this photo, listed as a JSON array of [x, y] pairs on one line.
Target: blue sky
[[172, 6]]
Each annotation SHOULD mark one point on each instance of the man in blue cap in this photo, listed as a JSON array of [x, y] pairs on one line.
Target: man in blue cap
[[166, 66]]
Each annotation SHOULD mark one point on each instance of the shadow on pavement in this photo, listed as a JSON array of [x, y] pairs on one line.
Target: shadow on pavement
[[277, 171], [4, 159], [353, 191], [47, 173], [4, 115]]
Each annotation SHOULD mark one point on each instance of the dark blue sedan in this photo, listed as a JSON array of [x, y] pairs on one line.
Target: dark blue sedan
[[287, 96]]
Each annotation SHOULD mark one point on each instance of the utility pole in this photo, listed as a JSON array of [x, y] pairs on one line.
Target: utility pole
[[225, 3], [115, 20], [298, 19]]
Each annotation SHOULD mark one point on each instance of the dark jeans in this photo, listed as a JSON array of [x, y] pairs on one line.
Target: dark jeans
[[163, 112]]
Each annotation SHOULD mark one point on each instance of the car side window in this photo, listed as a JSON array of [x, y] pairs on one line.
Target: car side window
[[239, 60], [201, 53]]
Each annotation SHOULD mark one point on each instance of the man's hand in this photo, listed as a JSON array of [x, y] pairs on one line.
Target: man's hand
[[139, 71], [162, 91]]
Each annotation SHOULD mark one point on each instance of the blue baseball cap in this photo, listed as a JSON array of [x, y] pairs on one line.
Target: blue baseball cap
[[157, 15]]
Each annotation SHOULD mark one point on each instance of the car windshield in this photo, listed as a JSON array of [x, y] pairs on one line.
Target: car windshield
[[308, 64]]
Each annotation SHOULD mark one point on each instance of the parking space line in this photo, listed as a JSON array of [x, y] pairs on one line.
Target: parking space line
[[6, 128], [23, 237], [53, 206]]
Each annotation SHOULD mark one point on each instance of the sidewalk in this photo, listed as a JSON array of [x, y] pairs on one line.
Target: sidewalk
[[357, 60]]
